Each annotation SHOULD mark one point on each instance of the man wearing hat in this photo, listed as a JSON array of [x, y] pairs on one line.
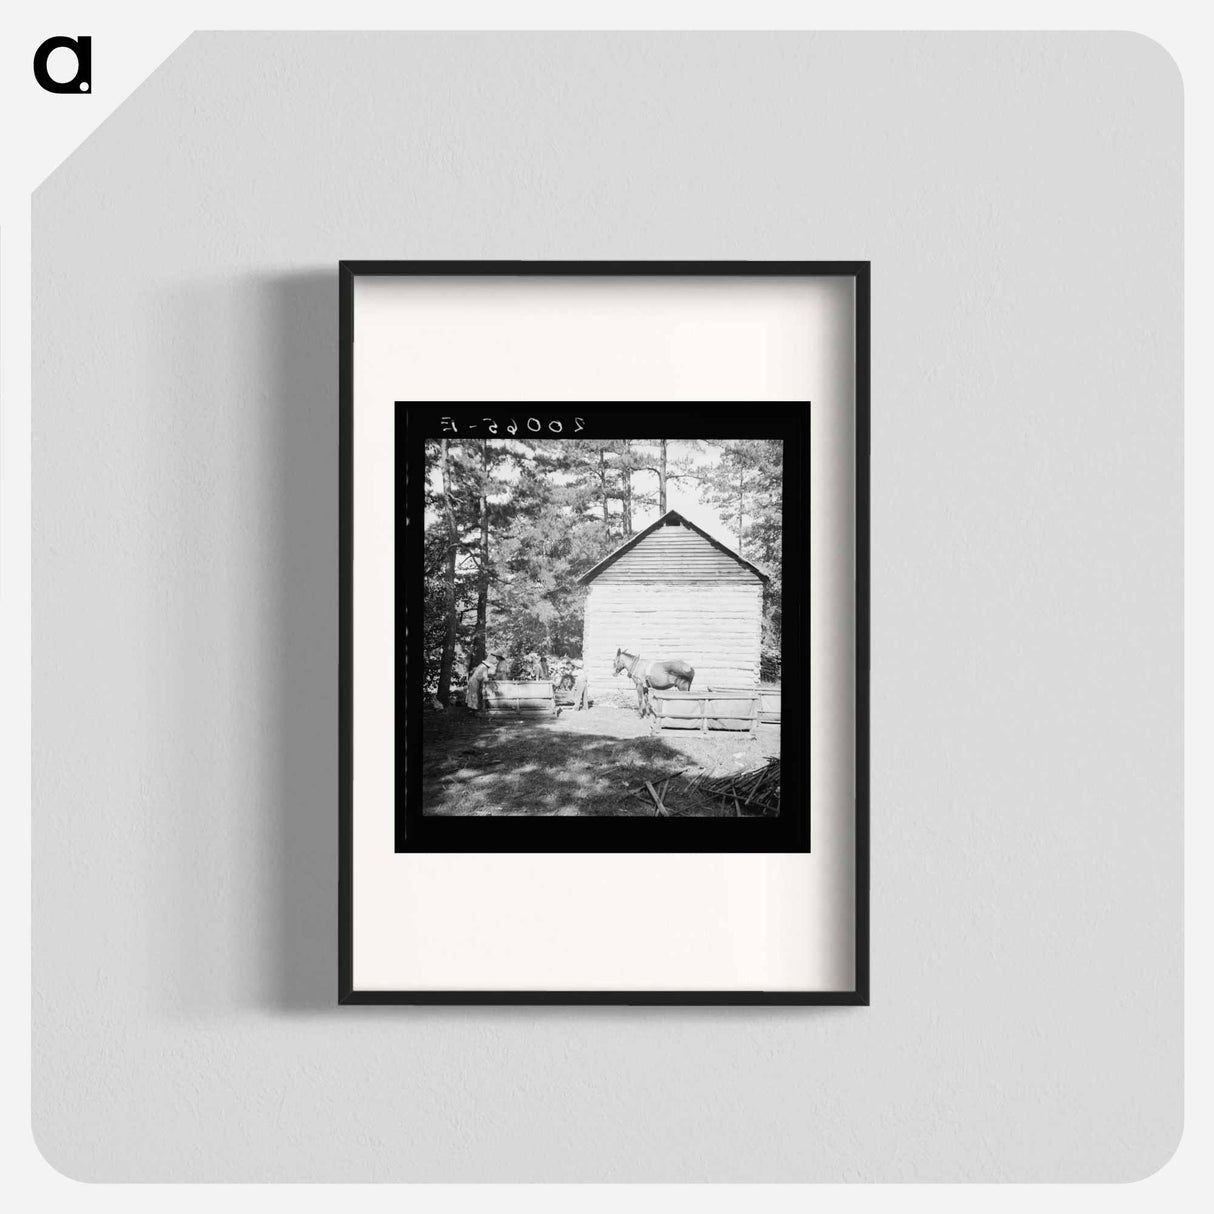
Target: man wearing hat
[[476, 680]]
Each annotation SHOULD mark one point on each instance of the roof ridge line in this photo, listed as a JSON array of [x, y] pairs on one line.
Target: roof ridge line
[[633, 541]]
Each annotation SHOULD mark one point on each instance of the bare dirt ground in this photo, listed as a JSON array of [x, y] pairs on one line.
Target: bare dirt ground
[[591, 763]]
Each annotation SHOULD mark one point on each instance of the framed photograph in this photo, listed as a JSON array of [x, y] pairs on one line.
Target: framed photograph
[[604, 632]]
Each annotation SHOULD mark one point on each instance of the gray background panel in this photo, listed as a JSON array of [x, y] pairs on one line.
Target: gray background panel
[[1020, 199]]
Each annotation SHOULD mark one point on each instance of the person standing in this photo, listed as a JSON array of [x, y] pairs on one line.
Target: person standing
[[581, 690], [476, 681]]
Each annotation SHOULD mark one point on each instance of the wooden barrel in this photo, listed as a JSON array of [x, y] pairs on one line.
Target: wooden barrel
[[531, 697]]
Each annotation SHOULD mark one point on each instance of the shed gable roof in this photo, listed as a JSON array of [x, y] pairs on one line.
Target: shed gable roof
[[702, 559]]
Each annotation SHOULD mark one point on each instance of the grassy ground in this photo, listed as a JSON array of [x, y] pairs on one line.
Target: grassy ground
[[580, 763]]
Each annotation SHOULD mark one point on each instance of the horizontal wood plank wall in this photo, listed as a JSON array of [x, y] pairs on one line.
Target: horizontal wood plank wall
[[714, 625], [676, 554]]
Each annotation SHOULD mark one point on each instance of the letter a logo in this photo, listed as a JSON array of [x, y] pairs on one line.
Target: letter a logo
[[82, 81]]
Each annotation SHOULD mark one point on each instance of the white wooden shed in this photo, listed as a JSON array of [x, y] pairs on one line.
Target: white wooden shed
[[673, 591]]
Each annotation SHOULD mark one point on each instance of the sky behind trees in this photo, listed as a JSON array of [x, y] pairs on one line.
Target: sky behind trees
[[682, 495]]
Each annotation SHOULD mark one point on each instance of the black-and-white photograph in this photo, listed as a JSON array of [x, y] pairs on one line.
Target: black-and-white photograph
[[602, 623]]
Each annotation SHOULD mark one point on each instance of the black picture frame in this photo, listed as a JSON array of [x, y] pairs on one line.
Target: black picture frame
[[348, 273]]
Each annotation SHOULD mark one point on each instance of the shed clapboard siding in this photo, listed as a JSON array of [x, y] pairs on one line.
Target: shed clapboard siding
[[716, 627], [673, 592]]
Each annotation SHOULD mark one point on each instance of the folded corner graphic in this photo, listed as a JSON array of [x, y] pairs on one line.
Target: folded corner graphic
[[65, 84]]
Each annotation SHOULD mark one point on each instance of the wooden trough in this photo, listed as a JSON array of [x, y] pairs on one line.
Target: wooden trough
[[769, 704], [527, 698], [736, 709]]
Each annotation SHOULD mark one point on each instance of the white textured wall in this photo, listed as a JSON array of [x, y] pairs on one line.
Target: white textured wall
[[716, 626], [1020, 198]]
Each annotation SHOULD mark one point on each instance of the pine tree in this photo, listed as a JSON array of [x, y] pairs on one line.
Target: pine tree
[[746, 486], [453, 525], [490, 457], [451, 556]]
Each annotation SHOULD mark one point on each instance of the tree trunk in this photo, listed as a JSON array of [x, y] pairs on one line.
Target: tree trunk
[[626, 468], [662, 476], [741, 500], [603, 485], [479, 637], [448, 658]]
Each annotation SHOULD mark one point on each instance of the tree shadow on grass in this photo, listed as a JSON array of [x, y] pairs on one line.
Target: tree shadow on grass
[[516, 766]]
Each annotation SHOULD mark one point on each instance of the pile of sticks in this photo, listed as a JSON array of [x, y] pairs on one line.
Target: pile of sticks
[[656, 796], [756, 790]]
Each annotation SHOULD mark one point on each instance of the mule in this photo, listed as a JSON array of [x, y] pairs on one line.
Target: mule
[[660, 675]]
